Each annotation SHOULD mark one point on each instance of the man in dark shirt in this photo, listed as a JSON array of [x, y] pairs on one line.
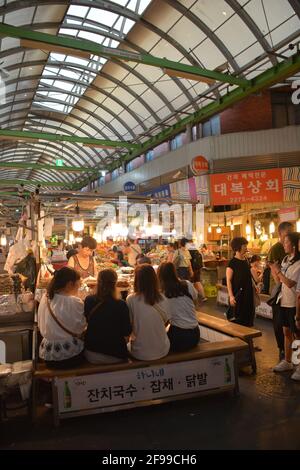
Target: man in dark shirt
[[276, 255]]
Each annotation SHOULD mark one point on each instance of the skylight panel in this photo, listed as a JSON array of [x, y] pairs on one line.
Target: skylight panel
[[128, 25], [143, 6], [104, 17], [65, 65], [78, 11], [95, 37], [64, 85], [69, 32]]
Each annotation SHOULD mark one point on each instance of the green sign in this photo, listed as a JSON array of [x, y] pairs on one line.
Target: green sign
[[59, 162], [54, 240]]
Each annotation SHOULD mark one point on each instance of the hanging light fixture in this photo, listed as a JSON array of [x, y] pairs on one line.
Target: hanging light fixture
[[248, 228], [77, 222], [271, 227], [209, 229], [298, 226], [3, 240], [232, 226]]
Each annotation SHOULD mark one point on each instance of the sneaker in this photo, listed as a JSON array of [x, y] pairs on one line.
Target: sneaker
[[283, 366], [296, 374]]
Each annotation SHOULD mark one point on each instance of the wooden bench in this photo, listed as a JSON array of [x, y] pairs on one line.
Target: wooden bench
[[222, 328], [89, 389]]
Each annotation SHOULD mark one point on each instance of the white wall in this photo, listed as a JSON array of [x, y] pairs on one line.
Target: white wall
[[232, 145]]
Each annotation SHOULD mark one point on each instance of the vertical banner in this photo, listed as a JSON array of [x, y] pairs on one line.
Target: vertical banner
[[291, 184]]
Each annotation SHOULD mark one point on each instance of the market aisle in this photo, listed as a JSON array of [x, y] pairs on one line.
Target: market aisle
[[265, 416]]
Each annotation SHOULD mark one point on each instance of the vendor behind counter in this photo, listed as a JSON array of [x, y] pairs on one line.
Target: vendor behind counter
[[84, 262]]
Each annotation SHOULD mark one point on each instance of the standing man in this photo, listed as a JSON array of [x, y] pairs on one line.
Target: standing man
[[276, 255]]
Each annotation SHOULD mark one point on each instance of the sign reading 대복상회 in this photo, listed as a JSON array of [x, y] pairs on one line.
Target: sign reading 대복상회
[[148, 383], [245, 187]]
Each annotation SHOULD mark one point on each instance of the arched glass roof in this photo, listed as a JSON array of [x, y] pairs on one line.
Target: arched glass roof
[[107, 98]]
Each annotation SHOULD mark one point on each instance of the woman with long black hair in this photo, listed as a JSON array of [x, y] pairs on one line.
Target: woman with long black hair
[[108, 322], [149, 315], [61, 321], [184, 332]]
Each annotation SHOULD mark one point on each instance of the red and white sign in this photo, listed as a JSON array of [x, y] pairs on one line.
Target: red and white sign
[[199, 165], [246, 187], [288, 214]]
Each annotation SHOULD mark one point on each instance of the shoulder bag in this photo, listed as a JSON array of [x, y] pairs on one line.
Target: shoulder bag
[[161, 313]]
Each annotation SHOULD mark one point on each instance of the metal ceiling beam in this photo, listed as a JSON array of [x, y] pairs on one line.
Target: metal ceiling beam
[[66, 138], [18, 181], [39, 166], [242, 13], [50, 42], [206, 30], [295, 4], [264, 80]]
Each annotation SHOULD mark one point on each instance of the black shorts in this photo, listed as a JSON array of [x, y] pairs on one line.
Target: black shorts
[[287, 318]]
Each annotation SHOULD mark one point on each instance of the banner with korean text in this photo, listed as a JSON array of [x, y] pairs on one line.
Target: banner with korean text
[[246, 187], [147, 383]]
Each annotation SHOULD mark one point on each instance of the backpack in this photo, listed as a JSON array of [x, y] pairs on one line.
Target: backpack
[[196, 261]]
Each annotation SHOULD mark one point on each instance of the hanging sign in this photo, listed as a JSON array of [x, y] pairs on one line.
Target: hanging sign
[[129, 187], [288, 214], [246, 187], [199, 165]]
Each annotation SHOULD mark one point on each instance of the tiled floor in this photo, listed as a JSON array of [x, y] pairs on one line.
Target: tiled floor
[[265, 416]]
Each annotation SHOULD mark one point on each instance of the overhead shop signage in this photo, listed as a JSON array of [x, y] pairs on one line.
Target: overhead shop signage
[[129, 187], [199, 165], [246, 187]]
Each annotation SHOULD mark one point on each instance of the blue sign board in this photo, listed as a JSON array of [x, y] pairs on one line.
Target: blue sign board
[[129, 187], [160, 192]]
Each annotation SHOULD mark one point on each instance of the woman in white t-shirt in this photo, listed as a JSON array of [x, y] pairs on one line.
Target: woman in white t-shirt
[[149, 315], [184, 332], [288, 275], [61, 321]]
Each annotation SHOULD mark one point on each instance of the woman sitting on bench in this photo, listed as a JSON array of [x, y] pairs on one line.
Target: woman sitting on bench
[[184, 332], [149, 315], [61, 321], [109, 325]]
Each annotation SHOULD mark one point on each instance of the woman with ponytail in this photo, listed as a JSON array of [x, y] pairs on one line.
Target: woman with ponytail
[[109, 325], [61, 321]]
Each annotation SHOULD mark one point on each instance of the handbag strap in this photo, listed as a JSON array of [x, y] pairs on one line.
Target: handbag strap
[[76, 335], [160, 312]]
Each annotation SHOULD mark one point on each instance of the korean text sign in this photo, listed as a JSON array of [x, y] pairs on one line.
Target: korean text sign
[[148, 383], [247, 187]]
